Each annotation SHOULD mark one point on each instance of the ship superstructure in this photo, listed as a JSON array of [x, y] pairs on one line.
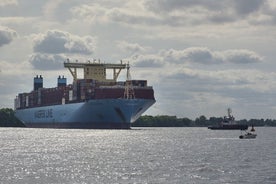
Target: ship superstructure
[[93, 101]]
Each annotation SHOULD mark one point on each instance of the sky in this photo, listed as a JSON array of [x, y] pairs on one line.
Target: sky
[[201, 57]]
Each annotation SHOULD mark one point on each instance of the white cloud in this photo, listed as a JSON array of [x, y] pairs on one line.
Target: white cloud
[[12, 80], [198, 55], [241, 56], [8, 2], [147, 61], [47, 61], [181, 12], [193, 54], [133, 18], [90, 13], [51, 7], [131, 47], [127, 14], [224, 82], [6, 35], [56, 42]]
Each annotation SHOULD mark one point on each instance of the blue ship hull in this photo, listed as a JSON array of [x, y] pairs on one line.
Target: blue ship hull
[[100, 113]]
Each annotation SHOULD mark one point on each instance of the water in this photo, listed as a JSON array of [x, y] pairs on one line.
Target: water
[[140, 155]]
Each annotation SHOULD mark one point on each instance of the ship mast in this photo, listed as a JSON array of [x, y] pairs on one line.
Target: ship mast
[[229, 112], [129, 91]]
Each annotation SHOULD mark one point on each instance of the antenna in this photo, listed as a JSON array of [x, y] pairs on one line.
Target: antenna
[[229, 112]]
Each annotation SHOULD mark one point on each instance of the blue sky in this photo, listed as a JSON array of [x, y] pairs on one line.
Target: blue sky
[[200, 56]]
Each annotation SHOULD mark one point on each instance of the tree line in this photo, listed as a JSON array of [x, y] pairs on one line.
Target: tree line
[[8, 119], [202, 121]]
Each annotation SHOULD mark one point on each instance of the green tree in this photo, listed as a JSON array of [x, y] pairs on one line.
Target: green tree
[[8, 119], [201, 121]]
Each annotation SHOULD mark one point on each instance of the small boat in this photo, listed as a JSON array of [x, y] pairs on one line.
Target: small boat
[[228, 123], [248, 135]]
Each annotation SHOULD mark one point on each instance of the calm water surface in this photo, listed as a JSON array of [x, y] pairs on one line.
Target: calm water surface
[[140, 155]]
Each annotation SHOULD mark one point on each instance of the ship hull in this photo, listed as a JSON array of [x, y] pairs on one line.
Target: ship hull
[[99, 113], [229, 127]]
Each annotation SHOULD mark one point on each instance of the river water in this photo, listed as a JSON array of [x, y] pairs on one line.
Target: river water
[[140, 155]]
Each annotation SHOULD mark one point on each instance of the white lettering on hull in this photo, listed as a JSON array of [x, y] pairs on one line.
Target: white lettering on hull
[[48, 113]]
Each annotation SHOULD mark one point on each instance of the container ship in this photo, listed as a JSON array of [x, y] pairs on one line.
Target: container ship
[[93, 101]]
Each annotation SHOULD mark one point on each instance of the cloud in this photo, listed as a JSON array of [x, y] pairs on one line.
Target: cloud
[[6, 35], [246, 7], [183, 12], [47, 61], [144, 18], [13, 78], [198, 80], [177, 12], [239, 7], [127, 14], [56, 42], [8, 2], [199, 55], [241, 86], [51, 8], [195, 55], [192, 54], [90, 13], [146, 61], [267, 15], [173, 5], [131, 47], [200, 89], [241, 56]]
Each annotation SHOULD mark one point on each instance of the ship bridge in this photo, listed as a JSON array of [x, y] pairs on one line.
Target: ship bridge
[[94, 70]]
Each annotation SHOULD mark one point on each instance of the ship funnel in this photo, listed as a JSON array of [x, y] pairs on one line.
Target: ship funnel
[[61, 81], [38, 82]]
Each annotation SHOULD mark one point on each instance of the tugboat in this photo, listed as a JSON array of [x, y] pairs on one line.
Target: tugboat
[[249, 135], [228, 123]]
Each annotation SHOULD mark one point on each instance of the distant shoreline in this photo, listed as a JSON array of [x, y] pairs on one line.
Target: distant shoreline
[[202, 121]]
